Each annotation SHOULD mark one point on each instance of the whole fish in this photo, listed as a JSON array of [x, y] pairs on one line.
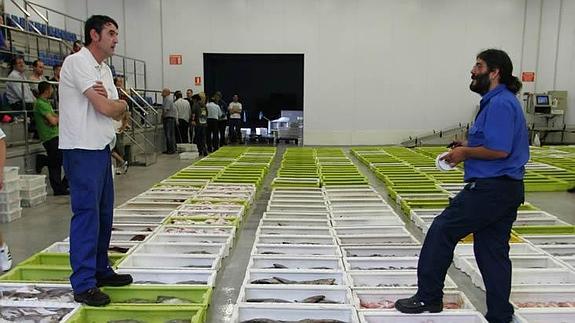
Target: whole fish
[[323, 281], [313, 299], [136, 301], [154, 282], [279, 266], [171, 300], [266, 300], [118, 249], [272, 253], [138, 237], [192, 282]]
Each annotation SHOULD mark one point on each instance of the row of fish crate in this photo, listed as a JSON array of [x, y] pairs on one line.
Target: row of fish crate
[[295, 270], [171, 239]]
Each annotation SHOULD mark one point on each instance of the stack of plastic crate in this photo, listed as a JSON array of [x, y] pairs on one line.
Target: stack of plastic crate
[[32, 190], [10, 196]]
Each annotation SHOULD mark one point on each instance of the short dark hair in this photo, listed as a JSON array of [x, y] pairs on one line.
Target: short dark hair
[[96, 22], [57, 66], [498, 59], [14, 59], [178, 94], [35, 63], [43, 87], [196, 97]]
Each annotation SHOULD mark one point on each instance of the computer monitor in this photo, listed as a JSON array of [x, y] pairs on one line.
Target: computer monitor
[[542, 100]]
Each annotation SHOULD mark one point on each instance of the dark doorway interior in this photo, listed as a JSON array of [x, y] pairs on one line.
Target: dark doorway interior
[[266, 83]]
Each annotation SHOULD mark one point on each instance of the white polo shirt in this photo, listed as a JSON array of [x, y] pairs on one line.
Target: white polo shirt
[[81, 125]]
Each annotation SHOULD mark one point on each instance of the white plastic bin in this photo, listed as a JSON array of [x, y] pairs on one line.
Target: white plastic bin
[[296, 250], [376, 239], [295, 230], [216, 249], [289, 312], [295, 294], [370, 299], [400, 279], [367, 221], [295, 239], [274, 262], [444, 317], [381, 263], [35, 201], [381, 251], [162, 276], [167, 261], [310, 277], [543, 298], [28, 182]]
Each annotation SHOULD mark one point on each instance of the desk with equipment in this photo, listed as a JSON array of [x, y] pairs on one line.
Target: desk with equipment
[[545, 113]]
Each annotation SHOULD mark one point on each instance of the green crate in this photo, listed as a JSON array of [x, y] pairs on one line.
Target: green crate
[[143, 313], [38, 274], [62, 259], [197, 295], [544, 229]]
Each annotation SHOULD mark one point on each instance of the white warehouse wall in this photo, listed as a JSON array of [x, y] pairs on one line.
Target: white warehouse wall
[[376, 71]]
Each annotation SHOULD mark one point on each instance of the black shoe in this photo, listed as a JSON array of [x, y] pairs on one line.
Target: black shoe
[[413, 305], [92, 297], [114, 280], [571, 190]]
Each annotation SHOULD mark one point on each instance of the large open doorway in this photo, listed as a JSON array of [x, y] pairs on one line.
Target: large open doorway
[[266, 83]]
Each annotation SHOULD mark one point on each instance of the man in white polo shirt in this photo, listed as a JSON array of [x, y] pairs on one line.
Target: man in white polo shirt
[[88, 103]]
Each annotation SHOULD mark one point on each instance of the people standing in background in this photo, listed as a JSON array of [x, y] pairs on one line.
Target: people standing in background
[[184, 113], [37, 75], [223, 117], [200, 124], [189, 94], [495, 155], [76, 46], [56, 78], [212, 133], [47, 124], [88, 103], [169, 117], [235, 110], [5, 255], [118, 152]]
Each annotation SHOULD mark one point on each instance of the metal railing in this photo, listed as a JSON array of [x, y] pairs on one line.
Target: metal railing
[[22, 111], [128, 66]]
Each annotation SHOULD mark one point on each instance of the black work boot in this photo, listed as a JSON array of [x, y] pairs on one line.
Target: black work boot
[[413, 305], [92, 297], [114, 280]]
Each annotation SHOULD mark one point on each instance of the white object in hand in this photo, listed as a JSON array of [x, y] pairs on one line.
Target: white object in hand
[[442, 164]]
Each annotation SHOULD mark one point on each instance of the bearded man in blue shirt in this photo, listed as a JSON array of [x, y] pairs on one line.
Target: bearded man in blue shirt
[[495, 154]]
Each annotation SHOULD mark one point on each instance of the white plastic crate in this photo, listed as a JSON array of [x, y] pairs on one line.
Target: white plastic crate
[[559, 250], [296, 215], [548, 315], [368, 299], [555, 239], [535, 278], [376, 239], [569, 261], [216, 249], [544, 221], [14, 214], [33, 192], [523, 262], [380, 263], [138, 218], [11, 185], [400, 279], [167, 261], [299, 275], [295, 294], [282, 222], [274, 262], [381, 251], [295, 312], [9, 197], [119, 227], [11, 173], [295, 240], [35, 201], [465, 250], [296, 250], [191, 238], [226, 230], [277, 202], [370, 230], [362, 213], [10, 206], [64, 247], [547, 298], [444, 317], [295, 230], [28, 182], [167, 206], [296, 208], [354, 209], [367, 221], [161, 276], [129, 236]]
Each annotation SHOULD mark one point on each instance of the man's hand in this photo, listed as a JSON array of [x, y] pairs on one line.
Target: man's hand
[[455, 156], [100, 89]]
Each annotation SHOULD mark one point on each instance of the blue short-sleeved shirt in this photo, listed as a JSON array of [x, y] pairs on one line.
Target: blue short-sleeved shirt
[[499, 125]]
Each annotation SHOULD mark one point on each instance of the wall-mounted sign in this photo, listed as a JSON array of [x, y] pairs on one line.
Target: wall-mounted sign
[[175, 59], [198, 80], [528, 76]]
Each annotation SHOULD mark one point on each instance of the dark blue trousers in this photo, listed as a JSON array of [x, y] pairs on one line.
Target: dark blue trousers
[[92, 197], [487, 208]]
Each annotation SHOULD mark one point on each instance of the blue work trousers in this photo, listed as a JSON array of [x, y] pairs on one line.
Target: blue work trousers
[[487, 208], [92, 198]]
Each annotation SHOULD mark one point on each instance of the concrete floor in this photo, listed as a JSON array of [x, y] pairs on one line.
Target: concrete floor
[[41, 226]]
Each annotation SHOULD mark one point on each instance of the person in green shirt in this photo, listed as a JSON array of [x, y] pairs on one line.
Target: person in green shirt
[[47, 124]]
